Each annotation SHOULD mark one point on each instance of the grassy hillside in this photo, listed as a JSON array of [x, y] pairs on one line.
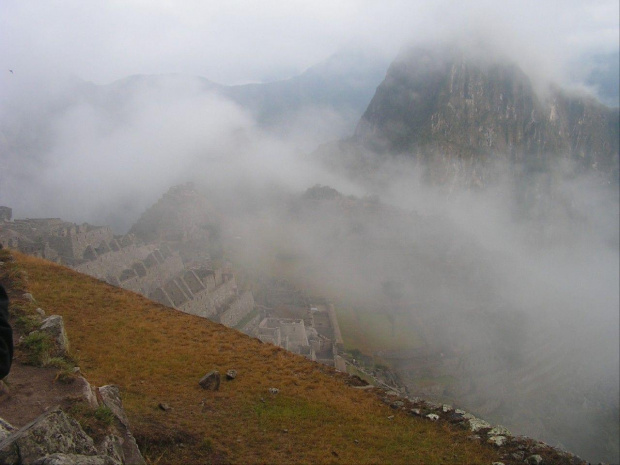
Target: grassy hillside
[[157, 355]]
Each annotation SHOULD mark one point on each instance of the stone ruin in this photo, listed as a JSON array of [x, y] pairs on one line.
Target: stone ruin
[[164, 271], [153, 269], [296, 324]]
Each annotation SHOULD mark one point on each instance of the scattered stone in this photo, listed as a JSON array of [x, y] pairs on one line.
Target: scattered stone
[[518, 455], [356, 441], [391, 417], [164, 407], [416, 411], [398, 404], [446, 408], [460, 412], [497, 463], [432, 416], [231, 374], [40, 311], [476, 424], [210, 381], [497, 440], [28, 296], [499, 430], [392, 393], [273, 391], [534, 459], [285, 430], [54, 326]]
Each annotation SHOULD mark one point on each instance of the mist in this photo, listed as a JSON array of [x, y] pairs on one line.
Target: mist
[[521, 300]]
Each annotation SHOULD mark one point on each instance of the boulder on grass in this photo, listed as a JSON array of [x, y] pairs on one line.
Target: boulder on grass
[[211, 381]]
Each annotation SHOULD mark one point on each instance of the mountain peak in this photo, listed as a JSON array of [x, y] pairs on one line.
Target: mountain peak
[[448, 103]]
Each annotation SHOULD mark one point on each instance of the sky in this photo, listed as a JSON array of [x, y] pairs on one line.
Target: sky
[[239, 41]]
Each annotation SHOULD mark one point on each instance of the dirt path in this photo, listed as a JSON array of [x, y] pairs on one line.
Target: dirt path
[[32, 391]]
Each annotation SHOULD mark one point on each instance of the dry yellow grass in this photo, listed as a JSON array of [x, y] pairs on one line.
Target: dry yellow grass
[[157, 355]]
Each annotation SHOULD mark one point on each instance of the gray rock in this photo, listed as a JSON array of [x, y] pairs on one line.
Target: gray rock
[[28, 296], [476, 424], [397, 404], [40, 311], [432, 416], [53, 432], [211, 381], [231, 374], [498, 441], [273, 391], [446, 408], [164, 407], [499, 430], [6, 429], [111, 397], [112, 447], [534, 459], [55, 327], [74, 459], [416, 411], [88, 393], [131, 451]]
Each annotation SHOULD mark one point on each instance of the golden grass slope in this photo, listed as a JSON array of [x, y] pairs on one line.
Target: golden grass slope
[[157, 355]]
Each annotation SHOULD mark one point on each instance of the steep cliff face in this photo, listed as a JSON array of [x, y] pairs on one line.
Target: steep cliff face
[[456, 112]]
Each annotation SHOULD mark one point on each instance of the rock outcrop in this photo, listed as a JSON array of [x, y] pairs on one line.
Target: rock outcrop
[[53, 432]]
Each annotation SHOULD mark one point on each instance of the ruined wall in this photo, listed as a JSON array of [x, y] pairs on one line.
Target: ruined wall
[[114, 262], [207, 303], [336, 327], [148, 277], [73, 243], [238, 309]]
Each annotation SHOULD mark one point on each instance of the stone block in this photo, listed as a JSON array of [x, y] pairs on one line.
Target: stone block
[[210, 381], [54, 326]]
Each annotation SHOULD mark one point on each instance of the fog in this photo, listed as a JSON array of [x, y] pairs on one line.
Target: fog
[[525, 297]]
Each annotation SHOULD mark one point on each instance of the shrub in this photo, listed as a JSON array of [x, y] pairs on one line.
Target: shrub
[[104, 415], [66, 373], [37, 346]]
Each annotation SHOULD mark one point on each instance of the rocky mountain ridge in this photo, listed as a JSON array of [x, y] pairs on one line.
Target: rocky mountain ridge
[[457, 115]]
